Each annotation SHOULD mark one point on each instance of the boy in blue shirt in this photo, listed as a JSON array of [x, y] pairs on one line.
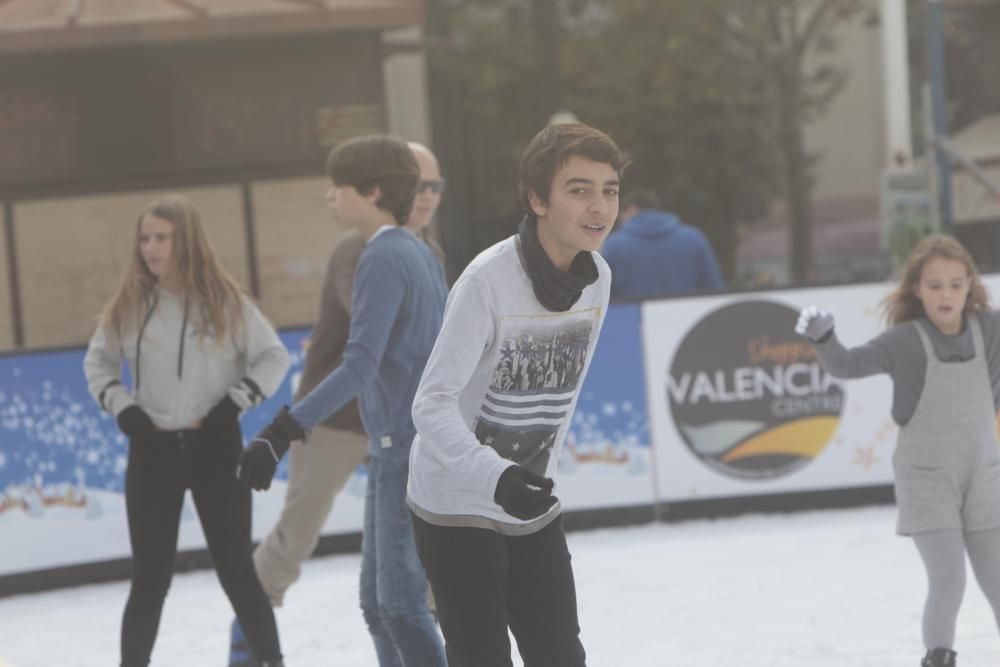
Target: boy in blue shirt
[[397, 304]]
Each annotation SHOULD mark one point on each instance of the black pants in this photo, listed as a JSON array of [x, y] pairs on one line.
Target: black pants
[[484, 582], [158, 474]]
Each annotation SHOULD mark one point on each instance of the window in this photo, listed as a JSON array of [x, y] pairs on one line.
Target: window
[[73, 252], [295, 237]]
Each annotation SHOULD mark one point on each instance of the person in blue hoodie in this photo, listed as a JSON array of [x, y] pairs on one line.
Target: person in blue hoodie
[[652, 253]]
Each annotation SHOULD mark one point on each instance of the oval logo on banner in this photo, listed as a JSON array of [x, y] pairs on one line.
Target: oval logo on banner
[[748, 395]]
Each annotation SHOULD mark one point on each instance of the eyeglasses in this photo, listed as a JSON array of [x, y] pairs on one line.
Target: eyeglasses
[[434, 185]]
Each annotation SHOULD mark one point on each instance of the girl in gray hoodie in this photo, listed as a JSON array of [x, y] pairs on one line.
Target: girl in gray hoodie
[[199, 352]]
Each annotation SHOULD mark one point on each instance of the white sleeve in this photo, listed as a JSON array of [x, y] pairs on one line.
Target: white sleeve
[[467, 331], [102, 366], [266, 358]]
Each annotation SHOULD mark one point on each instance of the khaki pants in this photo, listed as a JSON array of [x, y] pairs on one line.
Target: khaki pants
[[317, 471]]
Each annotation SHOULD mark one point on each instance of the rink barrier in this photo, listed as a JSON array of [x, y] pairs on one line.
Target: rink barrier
[[692, 407], [573, 521]]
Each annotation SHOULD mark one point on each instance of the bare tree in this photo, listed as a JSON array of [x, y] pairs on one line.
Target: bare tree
[[783, 37]]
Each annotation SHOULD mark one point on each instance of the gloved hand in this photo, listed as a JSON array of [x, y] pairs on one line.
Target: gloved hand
[[524, 494], [136, 424], [260, 459], [222, 416], [814, 324]]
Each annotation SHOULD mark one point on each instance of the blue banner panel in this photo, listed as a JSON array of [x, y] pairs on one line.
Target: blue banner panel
[[606, 461], [62, 462]]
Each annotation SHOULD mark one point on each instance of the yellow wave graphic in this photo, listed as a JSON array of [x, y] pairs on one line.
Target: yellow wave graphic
[[802, 437]]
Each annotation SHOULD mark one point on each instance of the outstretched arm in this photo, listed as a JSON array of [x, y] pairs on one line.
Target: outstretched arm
[[869, 359], [378, 293]]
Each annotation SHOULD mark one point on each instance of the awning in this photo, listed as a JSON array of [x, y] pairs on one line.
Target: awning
[[47, 25]]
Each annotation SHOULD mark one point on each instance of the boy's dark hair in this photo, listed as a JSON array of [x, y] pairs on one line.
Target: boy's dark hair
[[552, 148], [642, 199], [377, 160]]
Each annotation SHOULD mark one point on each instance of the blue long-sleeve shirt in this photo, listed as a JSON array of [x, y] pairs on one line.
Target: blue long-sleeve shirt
[[655, 254], [397, 304]]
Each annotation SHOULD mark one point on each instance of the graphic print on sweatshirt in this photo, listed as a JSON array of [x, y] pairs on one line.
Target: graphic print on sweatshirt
[[539, 364]]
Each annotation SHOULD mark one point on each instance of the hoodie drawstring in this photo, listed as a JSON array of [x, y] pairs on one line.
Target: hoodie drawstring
[[138, 343], [180, 352]]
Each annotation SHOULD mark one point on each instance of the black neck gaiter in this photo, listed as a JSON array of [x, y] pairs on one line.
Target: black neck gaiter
[[556, 289]]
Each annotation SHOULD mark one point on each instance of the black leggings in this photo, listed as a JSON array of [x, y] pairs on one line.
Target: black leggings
[[158, 474], [485, 582]]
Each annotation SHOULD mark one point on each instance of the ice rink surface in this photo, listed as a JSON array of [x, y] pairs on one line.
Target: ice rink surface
[[816, 589]]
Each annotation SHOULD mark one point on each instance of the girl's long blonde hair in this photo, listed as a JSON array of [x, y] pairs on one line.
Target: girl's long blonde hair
[[903, 305], [202, 280]]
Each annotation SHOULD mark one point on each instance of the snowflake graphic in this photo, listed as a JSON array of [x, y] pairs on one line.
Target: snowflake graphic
[[865, 457]]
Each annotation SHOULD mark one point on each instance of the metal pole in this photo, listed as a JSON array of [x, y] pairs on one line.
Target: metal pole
[[250, 229], [939, 111], [547, 40], [899, 143], [16, 316]]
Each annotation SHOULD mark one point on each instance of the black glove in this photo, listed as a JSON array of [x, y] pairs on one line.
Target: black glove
[[524, 494], [260, 459], [136, 424], [222, 416]]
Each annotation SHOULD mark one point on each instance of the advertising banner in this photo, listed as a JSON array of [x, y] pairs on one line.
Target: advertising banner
[[607, 461], [740, 406], [62, 467], [685, 399], [62, 460]]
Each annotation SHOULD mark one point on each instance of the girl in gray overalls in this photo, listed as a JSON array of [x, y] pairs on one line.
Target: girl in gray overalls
[[943, 354]]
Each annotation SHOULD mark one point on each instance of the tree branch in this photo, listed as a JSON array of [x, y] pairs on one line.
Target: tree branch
[[729, 20], [820, 22]]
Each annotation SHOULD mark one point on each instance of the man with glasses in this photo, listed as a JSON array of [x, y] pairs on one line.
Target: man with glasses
[[429, 191], [318, 471]]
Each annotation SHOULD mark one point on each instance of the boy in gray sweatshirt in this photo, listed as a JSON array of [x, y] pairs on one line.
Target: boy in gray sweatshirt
[[494, 405]]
